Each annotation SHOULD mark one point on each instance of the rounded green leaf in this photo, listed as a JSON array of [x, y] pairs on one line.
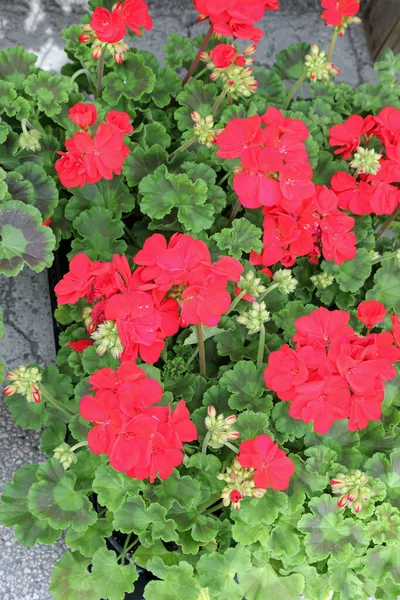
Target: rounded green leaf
[[28, 415], [15, 65], [45, 190], [112, 195], [243, 236], [91, 540], [99, 234], [177, 582], [23, 239], [141, 162], [110, 579], [131, 79], [196, 96], [71, 579], [179, 51], [289, 63], [52, 437], [49, 91], [112, 487], [261, 583]]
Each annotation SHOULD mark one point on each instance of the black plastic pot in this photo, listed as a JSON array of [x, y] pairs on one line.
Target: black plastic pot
[[55, 273]]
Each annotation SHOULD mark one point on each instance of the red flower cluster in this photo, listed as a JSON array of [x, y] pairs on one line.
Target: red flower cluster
[[300, 218], [338, 10], [369, 190], [223, 56], [272, 467], [145, 304], [110, 27], [90, 158], [235, 17], [334, 373], [141, 440]]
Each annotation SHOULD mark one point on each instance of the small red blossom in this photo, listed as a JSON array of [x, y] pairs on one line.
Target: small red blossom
[[272, 467], [347, 135], [238, 135], [255, 184], [136, 15], [371, 313], [335, 10], [83, 115], [223, 55], [80, 345], [120, 121], [109, 26]]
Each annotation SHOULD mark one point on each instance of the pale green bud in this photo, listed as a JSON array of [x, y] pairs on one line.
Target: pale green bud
[[251, 284], [25, 381], [255, 317], [64, 455], [107, 339], [29, 140], [322, 280], [318, 68], [366, 161], [285, 280]]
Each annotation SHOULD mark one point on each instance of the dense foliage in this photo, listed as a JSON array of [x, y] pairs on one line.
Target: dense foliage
[[225, 402]]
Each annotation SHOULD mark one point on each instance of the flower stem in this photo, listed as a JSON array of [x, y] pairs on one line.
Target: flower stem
[[209, 502], [200, 73], [384, 257], [224, 178], [234, 212], [333, 42], [261, 347], [205, 442], [294, 90], [51, 400], [100, 72], [194, 64], [79, 445], [124, 549], [218, 102], [214, 508], [236, 301], [269, 289], [202, 353], [232, 447], [388, 222], [82, 72], [184, 146]]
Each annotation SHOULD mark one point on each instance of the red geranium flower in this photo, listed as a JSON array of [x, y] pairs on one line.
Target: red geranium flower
[[335, 10], [364, 409], [120, 121], [296, 185], [352, 195], [396, 328], [273, 468], [80, 345], [136, 15], [254, 185], [78, 282], [71, 169], [223, 55], [109, 26], [347, 135], [205, 303], [371, 313], [83, 115], [103, 411], [321, 326], [284, 371], [133, 443], [238, 135], [108, 379]]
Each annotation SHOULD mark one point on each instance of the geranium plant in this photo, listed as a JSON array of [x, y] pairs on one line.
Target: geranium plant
[[223, 412]]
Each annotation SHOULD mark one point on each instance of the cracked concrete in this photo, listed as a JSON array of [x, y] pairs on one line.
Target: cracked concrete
[[35, 24]]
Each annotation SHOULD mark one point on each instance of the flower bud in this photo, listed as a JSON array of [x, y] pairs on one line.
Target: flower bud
[[251, 285], [287, 283], [64, 455], [29, 140], [204, 129], [322, 280], [353, 489], [107, 339], [25, 381], [317, 66], [366, 161], [211, 412], [239, 484], [220, 428], [255, 317]]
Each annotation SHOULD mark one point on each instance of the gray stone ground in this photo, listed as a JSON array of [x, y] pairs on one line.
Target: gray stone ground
[[35, 24]]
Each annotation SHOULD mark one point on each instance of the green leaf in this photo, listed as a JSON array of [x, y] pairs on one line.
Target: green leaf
[[112, 195], [284, 541], [15, 512], [327, 531], [99, 233], [110, 579], [91, 540], [351, 274], [54, 500], [133, 515], [386, 527], [179, 51], [196, 96], [143, 554], [343, 579], [243, 236], [92, 362], [372, 98], [217, 572], [386, 287], [388, 472], [28, 415], [289, 63], [186, 491], [286, 317], [152, 133], [8, 95], [71, 578], [263, 510], [381, 561], [45, 197], [327, 167], [23, 239], [246, 384], [59, 385], [270, 86], [15, 65], [177, 582], [250, 424], [261, 583], [203, 527], [206, 468], [168, 85], [291, 428], [19, 188], [132, 79], [112, 487], [163, 191], [141, 162], [52, 437], [48, 91]]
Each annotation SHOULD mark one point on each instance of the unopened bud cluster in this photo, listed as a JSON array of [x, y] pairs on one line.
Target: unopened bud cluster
[[107, 339], [255, 317], [25, 381], [366, 161], [29, 140], [88, 319], [322, 280], [346, 21], [239, 484], [204, 129], [117, 49], [251, 284], [220, 428], [285, 280], [353, 489], [237, 78], [65, 455], [318, 68]]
